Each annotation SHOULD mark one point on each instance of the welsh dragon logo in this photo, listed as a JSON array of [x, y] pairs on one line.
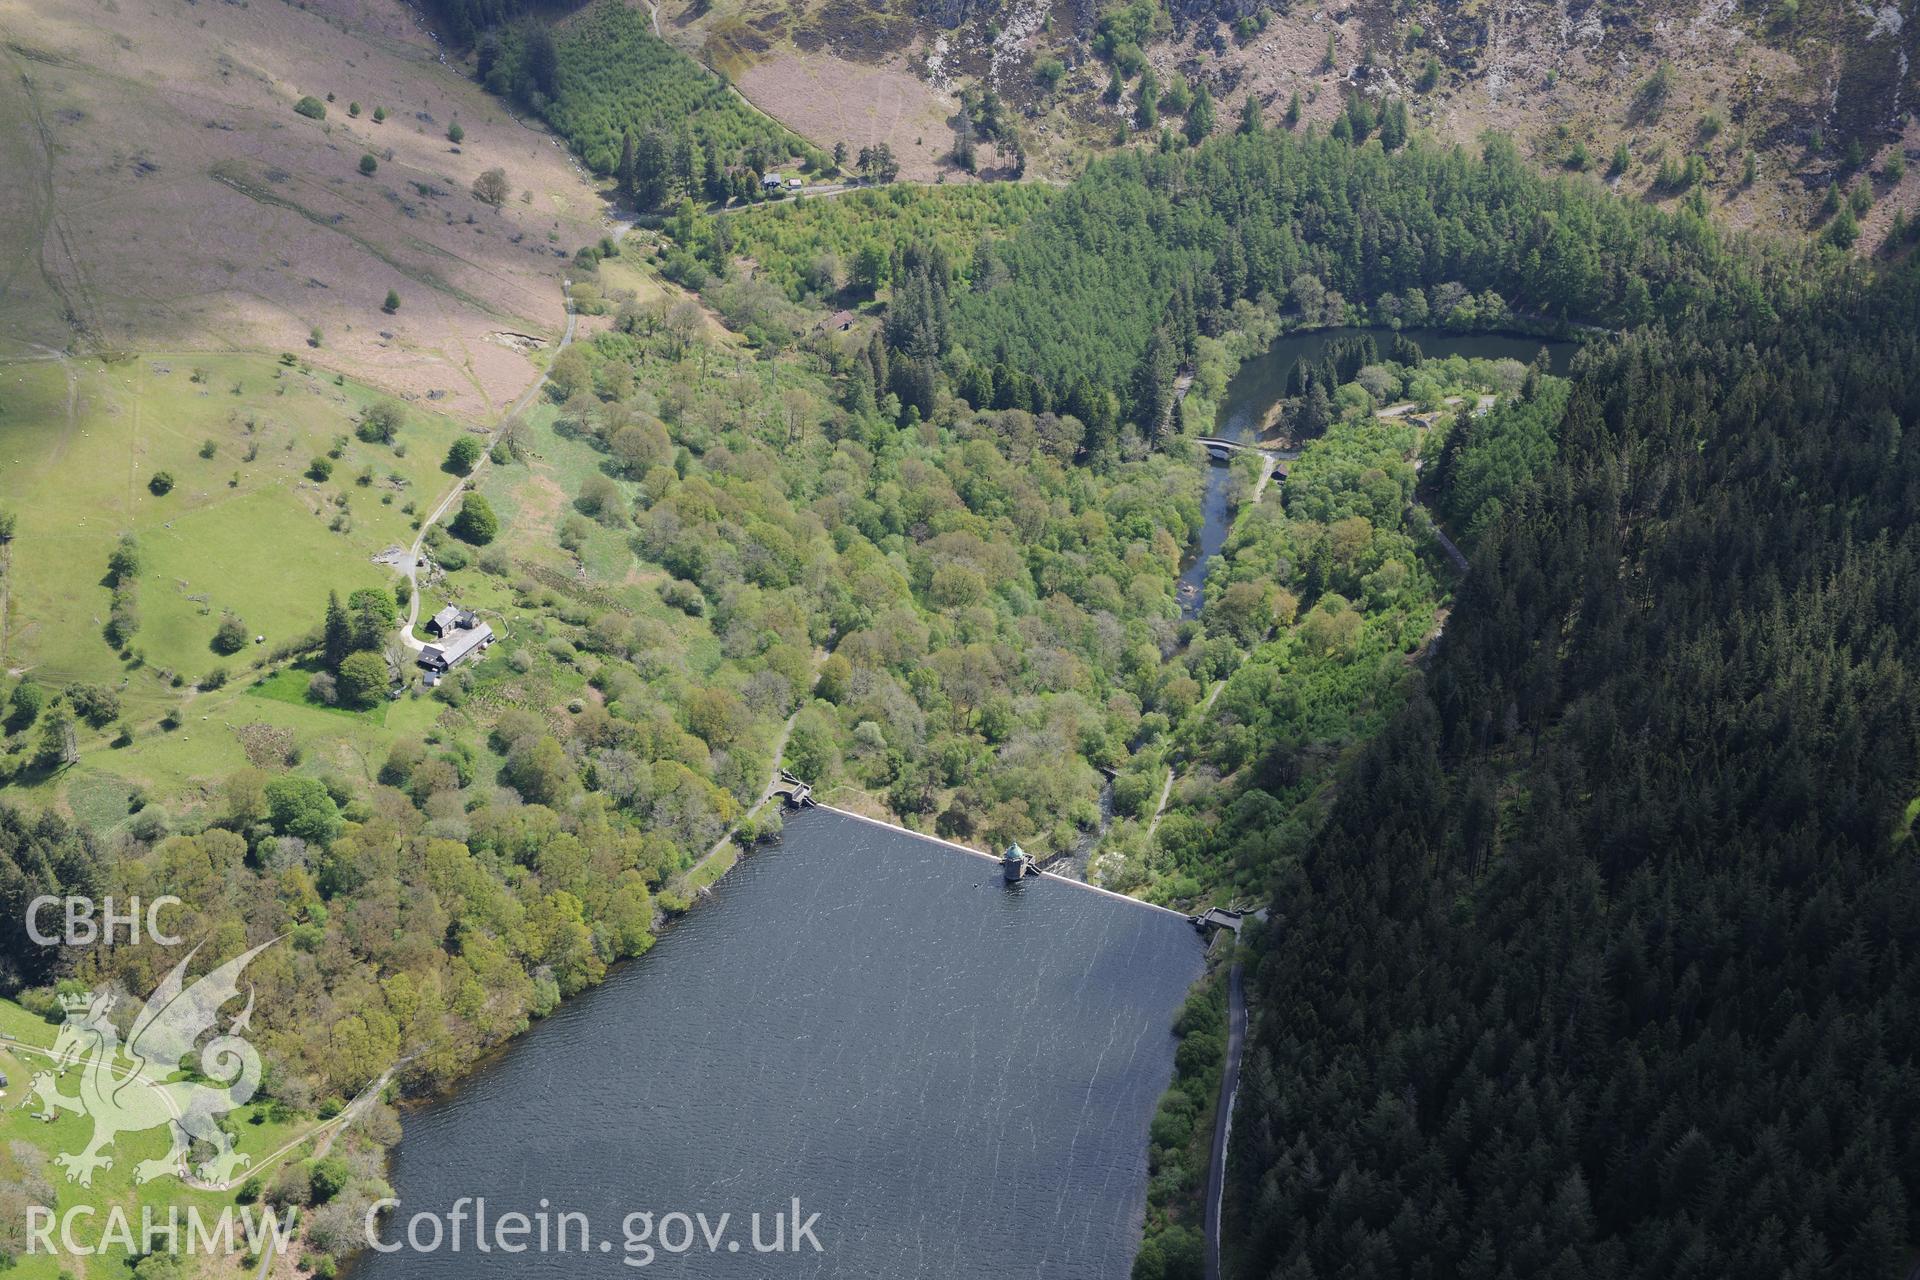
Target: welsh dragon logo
[[125, 1089]]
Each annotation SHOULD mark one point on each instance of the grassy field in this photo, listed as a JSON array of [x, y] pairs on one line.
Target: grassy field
[[532, 499], [78, 447], [268, 1141], [79, 441], [289, 685], [259, 537]]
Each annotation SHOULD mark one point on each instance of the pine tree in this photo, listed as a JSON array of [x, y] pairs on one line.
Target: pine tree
[[337, 633], [914, 381], [1146, 110], [686, 165], [1844, 229], [877, 358], [1360, 117], [1319, 571], [1316, 411], [1153, 387], [720, 247], [1249, 116], [1393, 125], [1095, 409], [1200, 116], [860, 386], [623, 173]]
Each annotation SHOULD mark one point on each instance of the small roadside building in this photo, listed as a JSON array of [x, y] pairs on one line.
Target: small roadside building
[[457, 645]]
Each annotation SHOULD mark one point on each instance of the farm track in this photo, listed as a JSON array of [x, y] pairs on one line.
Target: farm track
[[460, 486], [40, 184], [47, 214], [766, 793], [462, 483], [326, 1132], [1166, 788]]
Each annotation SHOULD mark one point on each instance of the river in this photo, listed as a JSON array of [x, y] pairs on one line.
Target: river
[[955, 1074], [1262, 381]]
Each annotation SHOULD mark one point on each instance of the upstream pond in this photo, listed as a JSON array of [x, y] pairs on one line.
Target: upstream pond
[[1262, 382], [955, 1074]]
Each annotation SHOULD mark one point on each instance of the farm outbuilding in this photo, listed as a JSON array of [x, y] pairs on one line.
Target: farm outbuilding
[[451, 618], [462, 636]]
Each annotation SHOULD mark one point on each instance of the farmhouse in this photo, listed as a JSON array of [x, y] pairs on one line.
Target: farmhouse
[[461, 637], [771, 182], [838, 322], [451, 618]]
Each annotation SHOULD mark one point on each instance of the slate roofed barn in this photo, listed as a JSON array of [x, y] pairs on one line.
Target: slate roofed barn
[[464, 643], [451, 618]]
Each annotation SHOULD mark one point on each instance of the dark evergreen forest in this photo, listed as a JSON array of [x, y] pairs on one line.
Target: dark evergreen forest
[[39, 856], [464, 20], [1105, 292], [1605, 962]]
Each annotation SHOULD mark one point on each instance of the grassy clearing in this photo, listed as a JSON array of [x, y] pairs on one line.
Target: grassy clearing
[[259, 1133], [101, 799], [712, 870], [289, 685], [534, 499], [183, 770]]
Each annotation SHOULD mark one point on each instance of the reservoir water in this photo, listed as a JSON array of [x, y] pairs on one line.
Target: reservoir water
[[955, 1074], [1262, 382]]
